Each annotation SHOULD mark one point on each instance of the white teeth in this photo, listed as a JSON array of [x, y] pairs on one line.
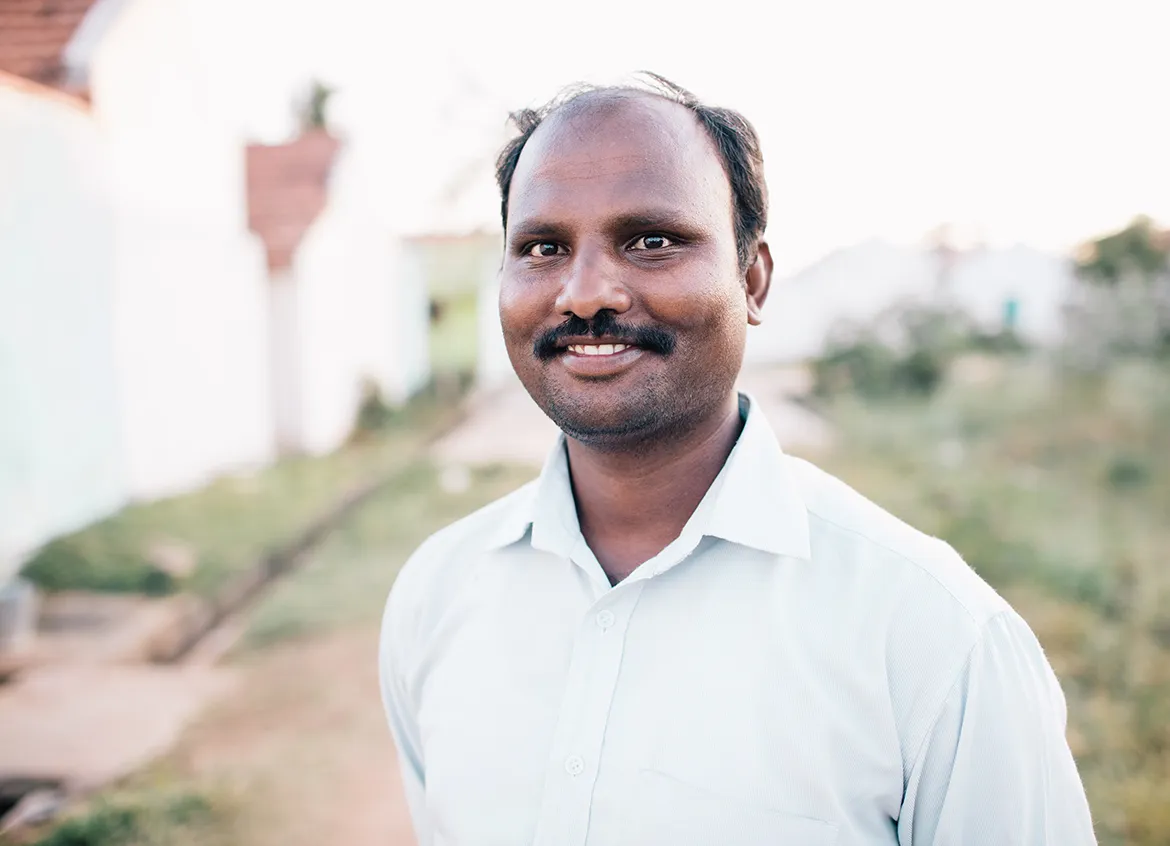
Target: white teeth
[[598, 349]]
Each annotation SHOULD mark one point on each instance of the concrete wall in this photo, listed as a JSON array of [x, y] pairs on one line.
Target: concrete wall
[[856, 284], [410, 311], [361, 311], [60, 442], [191, 304], [1039, 283], [492, 367], [851, 285]]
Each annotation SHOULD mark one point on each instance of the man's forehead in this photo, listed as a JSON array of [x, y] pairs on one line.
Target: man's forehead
[[626, 138], [598, 123]]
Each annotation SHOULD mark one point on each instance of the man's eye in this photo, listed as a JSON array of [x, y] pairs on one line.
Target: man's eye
[[651, 242], [544, 249]]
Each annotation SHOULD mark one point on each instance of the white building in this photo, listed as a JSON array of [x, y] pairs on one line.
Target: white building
[[347, 307], [1018, 285], [137, 315], [61, 449], [190, 319]]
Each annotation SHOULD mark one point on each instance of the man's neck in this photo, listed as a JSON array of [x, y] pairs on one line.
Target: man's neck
[[632, 504]]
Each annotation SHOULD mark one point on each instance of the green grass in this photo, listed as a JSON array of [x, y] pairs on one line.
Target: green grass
[[1057, 490], [228, 525], [346, 580], [143, 818], [454, 336], [454, 266]]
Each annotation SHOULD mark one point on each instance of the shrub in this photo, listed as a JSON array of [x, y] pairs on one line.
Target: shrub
[[1127, 472], [147, 820], [66, 563], [373, 414], [906, 351]]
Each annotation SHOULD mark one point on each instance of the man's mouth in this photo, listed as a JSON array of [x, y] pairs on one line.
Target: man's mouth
[[598, 349], [600, 337]]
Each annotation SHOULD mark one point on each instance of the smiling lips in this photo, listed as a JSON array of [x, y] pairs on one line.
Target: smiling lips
[[599, 361], [597, 349]]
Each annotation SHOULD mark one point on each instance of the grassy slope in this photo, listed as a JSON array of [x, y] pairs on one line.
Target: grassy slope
[[228, 524], [347, 580]]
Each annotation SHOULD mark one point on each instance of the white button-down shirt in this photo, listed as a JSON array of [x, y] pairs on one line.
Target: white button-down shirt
[[797, 667]]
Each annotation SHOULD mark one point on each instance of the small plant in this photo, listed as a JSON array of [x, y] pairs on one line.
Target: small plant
[[1127, 472], [148, 820], [67, 563], [904, 352], [374, 414], [314, 111]]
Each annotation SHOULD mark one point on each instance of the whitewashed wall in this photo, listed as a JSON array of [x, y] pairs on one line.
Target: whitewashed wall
[[191, 311], [493, 368], [361, 312], [60, 456], [410, 333], [1040, 283], [851, 285], [858, 283]]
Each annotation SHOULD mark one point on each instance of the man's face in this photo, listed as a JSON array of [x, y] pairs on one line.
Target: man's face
[[623, 307]]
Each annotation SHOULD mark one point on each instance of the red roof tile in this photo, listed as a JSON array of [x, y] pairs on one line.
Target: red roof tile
[[20, 83], [34, 35], [287, 190]]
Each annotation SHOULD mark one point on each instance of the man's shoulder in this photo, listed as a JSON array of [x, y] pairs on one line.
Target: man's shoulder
[[444, 556], [851, 531]]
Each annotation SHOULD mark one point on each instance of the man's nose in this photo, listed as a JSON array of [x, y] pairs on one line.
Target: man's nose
[[590, 284]]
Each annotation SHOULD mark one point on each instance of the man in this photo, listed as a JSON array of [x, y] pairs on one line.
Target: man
[[677, 634]]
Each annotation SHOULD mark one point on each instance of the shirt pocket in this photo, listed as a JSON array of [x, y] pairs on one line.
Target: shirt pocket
[[671, 812]]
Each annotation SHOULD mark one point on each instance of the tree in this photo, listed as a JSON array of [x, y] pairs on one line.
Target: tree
[[1140, 252], [1122, 306]]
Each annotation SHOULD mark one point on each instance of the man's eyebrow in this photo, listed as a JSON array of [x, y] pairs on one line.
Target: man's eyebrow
[[536, 228], [669, 219], [652, 219]]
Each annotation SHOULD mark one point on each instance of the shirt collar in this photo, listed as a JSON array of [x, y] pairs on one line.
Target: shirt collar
[[754, 501]]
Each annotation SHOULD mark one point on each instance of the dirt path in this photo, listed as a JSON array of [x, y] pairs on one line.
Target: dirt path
[[304, 748]]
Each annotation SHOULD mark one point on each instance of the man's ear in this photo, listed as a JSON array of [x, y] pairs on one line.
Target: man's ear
[[758, 282]]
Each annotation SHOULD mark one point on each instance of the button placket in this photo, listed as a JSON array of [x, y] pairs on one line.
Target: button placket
[[593, 676]]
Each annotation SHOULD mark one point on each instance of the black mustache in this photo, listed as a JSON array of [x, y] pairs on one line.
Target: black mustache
[[604, 323]]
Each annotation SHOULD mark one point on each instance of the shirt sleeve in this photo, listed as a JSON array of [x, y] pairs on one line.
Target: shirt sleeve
[[996, 767], [400, 714]]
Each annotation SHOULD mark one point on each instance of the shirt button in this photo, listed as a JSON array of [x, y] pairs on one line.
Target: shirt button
[[605, 618], [574, 765]]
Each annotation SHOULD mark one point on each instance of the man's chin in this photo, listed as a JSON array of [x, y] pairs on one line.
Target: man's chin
[[592, 421]]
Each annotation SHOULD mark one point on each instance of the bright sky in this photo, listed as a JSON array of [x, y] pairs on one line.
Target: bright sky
[[1042, 122]]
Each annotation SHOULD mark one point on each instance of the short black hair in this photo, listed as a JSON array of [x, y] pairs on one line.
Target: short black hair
[[733, 135]]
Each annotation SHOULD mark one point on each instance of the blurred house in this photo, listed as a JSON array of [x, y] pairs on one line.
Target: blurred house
[[50, 41], [137, 291], [141, 335], [457, 239], [187, 312], [1017, 288], [61, 450], [346, 307]]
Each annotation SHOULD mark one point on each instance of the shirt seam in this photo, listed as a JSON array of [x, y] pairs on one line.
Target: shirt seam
[[955, 683], [917, 564]]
